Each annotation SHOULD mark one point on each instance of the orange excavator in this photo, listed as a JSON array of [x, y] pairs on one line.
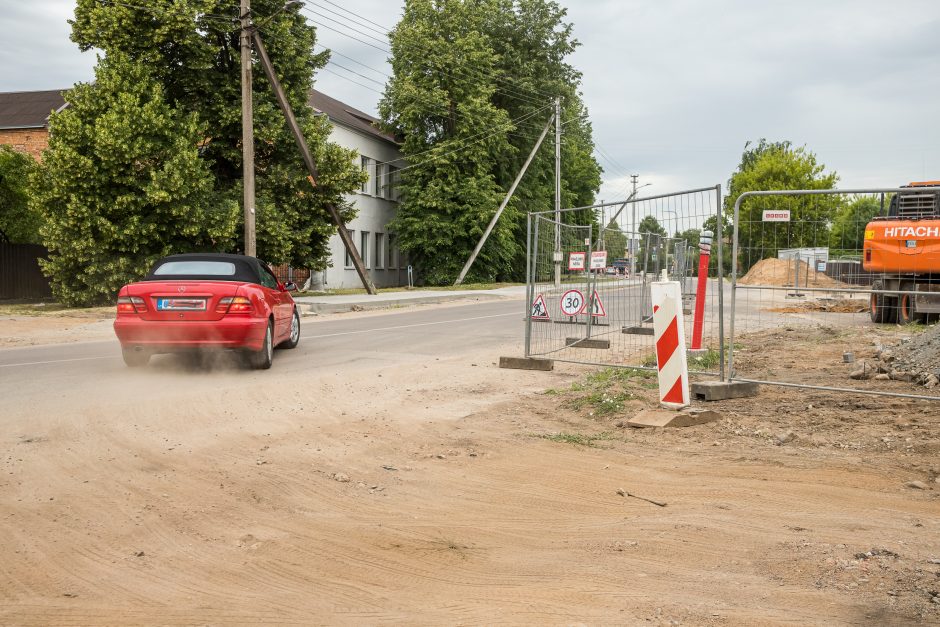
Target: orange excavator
[[902, 250]]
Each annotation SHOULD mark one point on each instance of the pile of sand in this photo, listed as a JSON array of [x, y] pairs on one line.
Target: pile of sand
[[781, 273]]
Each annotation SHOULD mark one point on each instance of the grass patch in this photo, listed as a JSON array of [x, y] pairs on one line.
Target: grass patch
[[705, 361], [649, 361], [579, 439]]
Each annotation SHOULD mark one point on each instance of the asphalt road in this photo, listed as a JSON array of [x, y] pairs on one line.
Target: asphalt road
[[324, 343]]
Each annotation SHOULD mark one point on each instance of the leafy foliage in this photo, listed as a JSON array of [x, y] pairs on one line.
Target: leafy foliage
[[185, 55], [463, 70], [779, 166], [19, 223], [122, 184], [615, 242], [650, 232], [848, 228]]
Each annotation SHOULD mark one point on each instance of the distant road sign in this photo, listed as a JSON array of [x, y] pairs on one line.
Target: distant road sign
[[598, 259], [776, 215], [572, 302], [576, 261]]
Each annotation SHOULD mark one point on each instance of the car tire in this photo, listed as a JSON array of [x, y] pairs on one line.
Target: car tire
[[294, 338], [135, 358], [262, 359]]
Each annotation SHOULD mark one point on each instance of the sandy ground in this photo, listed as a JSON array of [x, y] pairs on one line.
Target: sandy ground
[[454, 492]]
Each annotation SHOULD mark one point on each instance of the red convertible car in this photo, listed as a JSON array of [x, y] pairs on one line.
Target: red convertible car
[[207, 301]]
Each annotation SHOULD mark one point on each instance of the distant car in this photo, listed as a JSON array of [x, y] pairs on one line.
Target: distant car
[[195, 302], [611, 270]]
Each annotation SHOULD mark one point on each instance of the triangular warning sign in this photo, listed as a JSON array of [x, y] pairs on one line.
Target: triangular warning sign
[[539, 310], [597, 306]]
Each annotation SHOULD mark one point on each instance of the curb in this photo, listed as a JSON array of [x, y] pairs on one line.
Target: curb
[[315, 309]]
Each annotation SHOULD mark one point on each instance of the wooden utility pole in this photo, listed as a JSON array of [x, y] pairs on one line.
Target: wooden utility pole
[[248, 132], [308, 158]]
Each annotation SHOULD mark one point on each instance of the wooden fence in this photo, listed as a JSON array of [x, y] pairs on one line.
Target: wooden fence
[[20, 276]]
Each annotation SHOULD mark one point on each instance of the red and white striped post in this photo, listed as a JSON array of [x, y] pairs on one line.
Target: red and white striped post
[[698, 322], [669, 332]]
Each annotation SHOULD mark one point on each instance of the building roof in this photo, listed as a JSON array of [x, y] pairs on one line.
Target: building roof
[[28, 109], [342, 113], [31, 109]]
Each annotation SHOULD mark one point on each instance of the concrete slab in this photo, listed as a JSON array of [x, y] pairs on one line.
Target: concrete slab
[[580, 342], [723, 390], [665, 418], [637, 330], [527, 363]]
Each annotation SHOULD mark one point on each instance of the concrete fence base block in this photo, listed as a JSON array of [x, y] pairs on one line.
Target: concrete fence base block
[[527, 363], [723, 390], [665, 418], [580, 342], [697, 352], [637, 330]]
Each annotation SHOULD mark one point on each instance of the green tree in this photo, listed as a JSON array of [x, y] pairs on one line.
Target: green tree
[[848, 228], [466, 66], [779, 166], [191, 48], [651, 247], [19, 222], [454, 135], [615, 242], [122, 184], [533, 42]]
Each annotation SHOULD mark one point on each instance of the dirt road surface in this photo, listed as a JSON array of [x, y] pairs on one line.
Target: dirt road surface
[[406, 485]]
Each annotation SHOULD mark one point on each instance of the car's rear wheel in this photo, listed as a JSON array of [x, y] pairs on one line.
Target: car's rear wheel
[[262, 359], [135, 358], [294, 338]]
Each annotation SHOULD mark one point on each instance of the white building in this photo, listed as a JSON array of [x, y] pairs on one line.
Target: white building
[[376, 202]]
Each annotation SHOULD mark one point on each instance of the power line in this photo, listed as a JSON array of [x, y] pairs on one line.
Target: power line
[[384, 28], [383, 32]]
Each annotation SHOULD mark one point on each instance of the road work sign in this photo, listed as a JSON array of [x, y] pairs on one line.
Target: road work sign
[[776, 215], [539, 310], [576, 261], [598, 260], [572, 302]]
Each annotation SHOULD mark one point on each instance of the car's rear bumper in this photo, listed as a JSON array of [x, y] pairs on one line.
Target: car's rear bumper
[[228, 333]]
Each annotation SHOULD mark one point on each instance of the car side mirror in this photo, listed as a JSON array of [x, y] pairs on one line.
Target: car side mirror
[[290, 286]]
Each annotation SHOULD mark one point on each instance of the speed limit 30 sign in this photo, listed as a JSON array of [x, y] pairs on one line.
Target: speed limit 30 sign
[[572, 302]]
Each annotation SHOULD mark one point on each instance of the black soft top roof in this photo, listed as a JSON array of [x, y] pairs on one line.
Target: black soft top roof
[[247, 269]]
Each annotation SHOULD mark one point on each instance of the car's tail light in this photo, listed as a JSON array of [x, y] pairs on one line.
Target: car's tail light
[[234, 305], [131, 304]]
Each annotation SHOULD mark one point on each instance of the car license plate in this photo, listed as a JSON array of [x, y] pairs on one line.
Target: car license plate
[[181, 304]]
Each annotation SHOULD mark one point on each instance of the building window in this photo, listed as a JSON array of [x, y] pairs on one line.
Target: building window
[[349, 262], [393, 181], [380, 179], [379, 255], [367, 168], [364, 247], [392, 253]]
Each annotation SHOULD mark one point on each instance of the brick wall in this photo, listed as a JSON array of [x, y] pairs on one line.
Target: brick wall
[[29, 140]]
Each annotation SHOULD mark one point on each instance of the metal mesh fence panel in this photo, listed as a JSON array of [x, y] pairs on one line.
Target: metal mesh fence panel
[[600, 313], [839, 262]]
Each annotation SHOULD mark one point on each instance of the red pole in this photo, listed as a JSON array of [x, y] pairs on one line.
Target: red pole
[[705, 249]]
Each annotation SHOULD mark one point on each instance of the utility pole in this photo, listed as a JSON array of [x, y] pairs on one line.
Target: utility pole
[[248, 132], [633, 249], [308, 159], [558, 254]]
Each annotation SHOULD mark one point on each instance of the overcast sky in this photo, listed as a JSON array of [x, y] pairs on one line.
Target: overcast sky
[[674, 87]]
